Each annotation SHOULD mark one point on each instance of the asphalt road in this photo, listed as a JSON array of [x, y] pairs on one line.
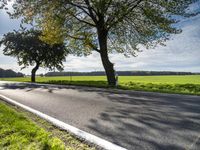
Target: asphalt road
[[134, 120]]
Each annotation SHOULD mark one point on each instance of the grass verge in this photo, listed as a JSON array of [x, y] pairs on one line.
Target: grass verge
[[22, 130], [179, 84], [192, 89]]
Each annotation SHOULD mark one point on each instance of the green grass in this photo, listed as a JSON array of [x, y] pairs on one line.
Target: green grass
[[188, 84], [22, 130], [179, 79]]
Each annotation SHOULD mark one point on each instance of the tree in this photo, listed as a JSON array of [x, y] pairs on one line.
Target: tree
[[30, 50], [105, 26], [9, 73]]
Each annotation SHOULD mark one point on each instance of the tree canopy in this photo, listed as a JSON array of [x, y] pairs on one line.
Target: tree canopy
[[121, 26], [29, 50]]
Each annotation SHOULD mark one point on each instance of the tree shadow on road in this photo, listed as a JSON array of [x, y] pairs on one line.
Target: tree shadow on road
[[52, 86], [150, 121], [28, 87]]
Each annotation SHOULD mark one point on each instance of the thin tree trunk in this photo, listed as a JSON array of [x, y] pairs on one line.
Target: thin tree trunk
[[33, 72], [108, 66]]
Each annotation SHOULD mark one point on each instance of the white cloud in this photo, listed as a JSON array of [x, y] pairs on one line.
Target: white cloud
[[89, 63]]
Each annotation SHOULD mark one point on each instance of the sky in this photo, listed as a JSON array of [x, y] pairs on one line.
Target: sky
[[181, 53]]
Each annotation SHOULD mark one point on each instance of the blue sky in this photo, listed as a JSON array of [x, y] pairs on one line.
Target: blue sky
[[181, 53]]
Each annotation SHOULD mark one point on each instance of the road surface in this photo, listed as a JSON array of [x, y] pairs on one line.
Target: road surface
[[134, 120]]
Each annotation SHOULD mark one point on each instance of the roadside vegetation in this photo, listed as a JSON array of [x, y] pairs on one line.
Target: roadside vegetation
[[22, 130], [181, 84]]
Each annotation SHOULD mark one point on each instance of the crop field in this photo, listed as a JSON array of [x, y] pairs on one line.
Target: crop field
[[178, 79], [184, 84]]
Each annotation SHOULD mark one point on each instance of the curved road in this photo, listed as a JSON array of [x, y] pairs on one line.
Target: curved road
[[134, 120]]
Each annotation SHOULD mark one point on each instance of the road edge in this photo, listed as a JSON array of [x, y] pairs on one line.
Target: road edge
[[113, 90], [90, 138]]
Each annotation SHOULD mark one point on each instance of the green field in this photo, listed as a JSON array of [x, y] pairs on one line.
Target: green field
[[185, 84], [187, 79]]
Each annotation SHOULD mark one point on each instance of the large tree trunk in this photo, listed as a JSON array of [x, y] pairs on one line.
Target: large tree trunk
[[108, 66], [33, 72]]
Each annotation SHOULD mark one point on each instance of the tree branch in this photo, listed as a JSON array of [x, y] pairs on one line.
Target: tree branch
[[90, 9], [74, 15], [112, 23]]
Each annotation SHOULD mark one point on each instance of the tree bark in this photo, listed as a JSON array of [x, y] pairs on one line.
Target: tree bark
[[33, 72], [108, 66]]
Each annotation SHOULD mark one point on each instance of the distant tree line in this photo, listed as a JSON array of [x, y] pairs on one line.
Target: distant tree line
[[9, 73], [120, 73]]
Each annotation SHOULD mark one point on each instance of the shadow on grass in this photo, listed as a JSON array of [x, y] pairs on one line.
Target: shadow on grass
[[79, 83]]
